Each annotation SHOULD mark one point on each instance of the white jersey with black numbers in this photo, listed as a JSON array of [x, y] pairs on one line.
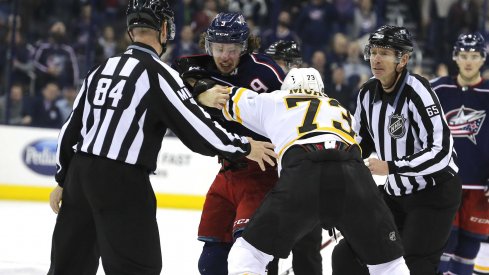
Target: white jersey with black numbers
[[289, 117]]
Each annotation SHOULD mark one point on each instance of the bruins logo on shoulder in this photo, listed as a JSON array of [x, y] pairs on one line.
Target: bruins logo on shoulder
[[397, 128]]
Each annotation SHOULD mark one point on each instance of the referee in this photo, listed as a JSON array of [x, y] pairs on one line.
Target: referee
[[399, 117], [108, 147]]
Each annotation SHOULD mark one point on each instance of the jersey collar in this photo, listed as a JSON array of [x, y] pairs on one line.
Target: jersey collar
[[393, 96], [144, 48]]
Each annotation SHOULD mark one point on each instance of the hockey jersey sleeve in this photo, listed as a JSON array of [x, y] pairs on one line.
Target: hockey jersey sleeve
[[244, 107]]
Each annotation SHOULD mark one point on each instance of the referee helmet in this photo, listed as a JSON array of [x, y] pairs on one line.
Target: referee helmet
[[393, 37], [150, 14]]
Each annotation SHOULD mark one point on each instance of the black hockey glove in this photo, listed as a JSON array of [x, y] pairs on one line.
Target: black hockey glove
[[190, 71], [203, 85]]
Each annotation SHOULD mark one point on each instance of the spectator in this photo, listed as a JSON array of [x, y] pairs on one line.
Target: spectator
[[187, 44], [345, 10], [315, 25], [319, 62], [340, 90], [108, 43], [17, 106], [22, 70], [84, 33], [281, 32], [65, 103], [256, 10], [365, 19], [203, 18], [355, 67], [43, 110], [55, 61], [339, 52]]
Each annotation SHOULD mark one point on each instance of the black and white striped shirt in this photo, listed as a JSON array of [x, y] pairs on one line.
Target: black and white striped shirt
[[407, 129], [124, 108]]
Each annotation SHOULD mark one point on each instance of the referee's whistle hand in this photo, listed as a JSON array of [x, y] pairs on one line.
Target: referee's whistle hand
[[262, 151], [55, 198]]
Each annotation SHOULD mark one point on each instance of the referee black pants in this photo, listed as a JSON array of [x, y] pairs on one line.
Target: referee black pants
[[424, 220], [109, 211]]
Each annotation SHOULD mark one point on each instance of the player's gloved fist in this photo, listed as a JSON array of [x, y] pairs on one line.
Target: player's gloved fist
[[203, 85], [215, 97], [189, 70]]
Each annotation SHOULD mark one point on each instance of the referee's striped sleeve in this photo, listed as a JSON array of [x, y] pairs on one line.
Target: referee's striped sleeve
[[360, 124], [192, 124], [70, 132], [434, 135]]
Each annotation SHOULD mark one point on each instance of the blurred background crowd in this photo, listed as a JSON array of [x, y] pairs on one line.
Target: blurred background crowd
[[47, 46]]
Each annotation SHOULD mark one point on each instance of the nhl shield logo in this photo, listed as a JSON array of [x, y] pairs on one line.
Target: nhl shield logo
[[397, 129]]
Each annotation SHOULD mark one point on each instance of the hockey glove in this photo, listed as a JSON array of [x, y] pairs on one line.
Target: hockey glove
[[203, 85]]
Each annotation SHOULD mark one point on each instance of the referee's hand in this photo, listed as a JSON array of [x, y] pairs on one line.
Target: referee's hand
[[55, 198], [377, 166], [262, 151]]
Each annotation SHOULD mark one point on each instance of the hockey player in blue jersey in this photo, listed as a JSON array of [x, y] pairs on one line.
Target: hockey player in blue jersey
[[465, 101], [240, 186]]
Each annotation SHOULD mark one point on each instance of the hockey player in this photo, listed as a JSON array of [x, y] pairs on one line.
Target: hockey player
[[481, 266], [321, 173], [465, 101], [240, 186], [286, 54]]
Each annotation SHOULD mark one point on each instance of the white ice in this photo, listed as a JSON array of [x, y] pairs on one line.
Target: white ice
[[26, 229]]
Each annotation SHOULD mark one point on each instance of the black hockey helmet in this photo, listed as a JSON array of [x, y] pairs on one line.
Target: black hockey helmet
[[393, 37], [285, 50], [150, 14], [473, 42]]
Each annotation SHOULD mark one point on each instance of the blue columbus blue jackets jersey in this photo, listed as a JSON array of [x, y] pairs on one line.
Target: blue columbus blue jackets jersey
[[257, 72], [466, 110]]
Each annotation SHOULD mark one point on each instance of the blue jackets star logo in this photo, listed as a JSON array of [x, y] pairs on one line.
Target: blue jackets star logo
[[465, 122]]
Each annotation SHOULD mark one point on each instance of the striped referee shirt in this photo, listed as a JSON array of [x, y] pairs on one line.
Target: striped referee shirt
[[407, 129], [124, 108]]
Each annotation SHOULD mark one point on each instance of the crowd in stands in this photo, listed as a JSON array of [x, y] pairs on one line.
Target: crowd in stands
[[47, 46]]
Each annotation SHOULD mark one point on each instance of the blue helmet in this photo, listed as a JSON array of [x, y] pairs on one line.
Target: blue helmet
[[150, 14], [229, 28], [473, 42]]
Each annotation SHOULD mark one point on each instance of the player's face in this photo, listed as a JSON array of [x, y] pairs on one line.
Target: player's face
[[469, 64], [226, 56], [383, 64]]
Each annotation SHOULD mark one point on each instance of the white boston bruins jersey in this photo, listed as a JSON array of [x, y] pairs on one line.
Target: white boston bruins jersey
[[290, 117]]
